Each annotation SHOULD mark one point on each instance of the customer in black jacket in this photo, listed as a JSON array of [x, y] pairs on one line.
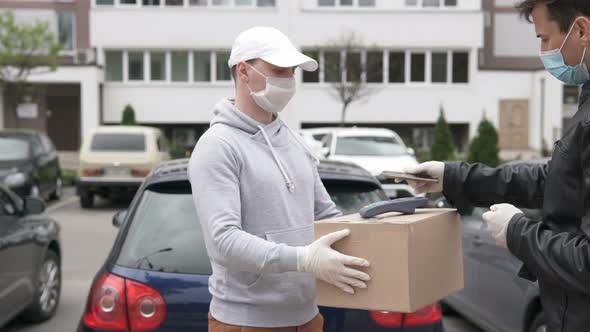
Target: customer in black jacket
[[556, 250]]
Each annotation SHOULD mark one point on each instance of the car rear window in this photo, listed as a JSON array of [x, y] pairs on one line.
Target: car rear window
[[13, 148], [351, 196], [118, 142], [165, 234]]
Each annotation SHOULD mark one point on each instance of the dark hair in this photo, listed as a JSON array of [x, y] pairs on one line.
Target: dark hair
[[561, 11]]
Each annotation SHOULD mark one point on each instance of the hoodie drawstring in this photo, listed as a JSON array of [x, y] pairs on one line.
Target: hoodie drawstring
[[290, 184]]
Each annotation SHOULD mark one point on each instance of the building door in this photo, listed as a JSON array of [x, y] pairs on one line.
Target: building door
[[514, 124], [63, 122]]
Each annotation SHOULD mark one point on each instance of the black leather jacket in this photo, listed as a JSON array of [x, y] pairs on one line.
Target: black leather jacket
[[556, 250]]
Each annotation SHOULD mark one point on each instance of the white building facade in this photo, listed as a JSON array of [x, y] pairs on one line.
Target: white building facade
[[168, 60]]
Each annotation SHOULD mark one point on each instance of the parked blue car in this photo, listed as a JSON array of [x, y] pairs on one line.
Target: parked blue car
[[155, 278]]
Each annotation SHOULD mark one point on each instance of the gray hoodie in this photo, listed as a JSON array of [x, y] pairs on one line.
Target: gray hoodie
[[257, 193]]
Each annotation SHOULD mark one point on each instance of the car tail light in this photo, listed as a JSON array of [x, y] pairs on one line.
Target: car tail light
[[107, 307], [118, 304], [140, 173], [92, 172], [147, 308], [426, 316], [387, 319]]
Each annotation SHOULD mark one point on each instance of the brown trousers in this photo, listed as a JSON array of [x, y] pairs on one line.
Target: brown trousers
[[315, 325]]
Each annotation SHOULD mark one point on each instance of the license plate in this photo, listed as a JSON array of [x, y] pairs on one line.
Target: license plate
[[118, 172]]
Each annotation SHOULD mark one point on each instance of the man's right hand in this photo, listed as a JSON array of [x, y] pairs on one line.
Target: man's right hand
[[331, 266], [435, 169]]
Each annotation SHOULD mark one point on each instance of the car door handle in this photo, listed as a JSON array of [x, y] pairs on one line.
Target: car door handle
[[477, 241]]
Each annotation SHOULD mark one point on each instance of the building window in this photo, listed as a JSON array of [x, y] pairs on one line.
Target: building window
[[374, 67], [201, 3], [128, 2], [451, 3], [202, 66], [346, 3], [136, 67], [174, 2], [105, 2], [151, 2], [430, 3], [220, 2], [243, 2], [397, 67], [326, 3], [65, 22], [265, 3], [418, 67], [354, 67], [366, 3], [332, 67], [179, 66], [312, 76], [439, 67], [460, 67], [158, 66], [223, 71], [114, 66]]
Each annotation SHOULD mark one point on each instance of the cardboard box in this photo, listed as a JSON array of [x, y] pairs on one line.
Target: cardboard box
[[416, 259]]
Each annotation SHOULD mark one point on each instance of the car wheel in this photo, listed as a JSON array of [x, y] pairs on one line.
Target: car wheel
[[57, 194], [47, 293], [86, 200], [539, 323]]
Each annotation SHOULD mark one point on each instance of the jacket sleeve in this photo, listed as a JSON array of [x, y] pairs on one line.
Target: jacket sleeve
[[324, 207], [562, 258], [467, 185], [214, 176]]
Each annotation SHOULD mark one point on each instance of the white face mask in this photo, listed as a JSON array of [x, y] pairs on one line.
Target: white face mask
[[276, 95]]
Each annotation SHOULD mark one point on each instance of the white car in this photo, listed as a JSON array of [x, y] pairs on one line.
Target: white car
[[374, 149]]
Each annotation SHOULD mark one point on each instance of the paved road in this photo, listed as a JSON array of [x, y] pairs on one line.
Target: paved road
[[87, 237]]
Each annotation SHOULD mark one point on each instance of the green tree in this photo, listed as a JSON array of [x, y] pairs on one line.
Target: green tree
[[128, 116], [25, 49], [442, 140], [484, 147]]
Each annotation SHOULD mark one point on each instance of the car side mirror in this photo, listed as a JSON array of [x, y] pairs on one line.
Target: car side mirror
[[33, 205], [119, 218], [325, 152], [412, 151]]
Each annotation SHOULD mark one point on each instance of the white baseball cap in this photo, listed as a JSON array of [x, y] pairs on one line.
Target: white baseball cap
[[270, 45]]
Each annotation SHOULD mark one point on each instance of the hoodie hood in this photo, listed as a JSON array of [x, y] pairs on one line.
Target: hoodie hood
[[274, 134]]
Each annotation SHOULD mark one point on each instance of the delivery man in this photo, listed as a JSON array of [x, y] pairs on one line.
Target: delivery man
[[556, 250]]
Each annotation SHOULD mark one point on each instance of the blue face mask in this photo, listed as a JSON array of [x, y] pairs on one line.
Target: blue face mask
[[555, 64]]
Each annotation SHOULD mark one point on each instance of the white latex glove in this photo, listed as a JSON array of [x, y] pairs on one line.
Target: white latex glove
[[330, 266], [435, 169], [497, 220]]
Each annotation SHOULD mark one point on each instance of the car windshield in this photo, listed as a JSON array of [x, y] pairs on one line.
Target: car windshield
[[118, 142], [369, 146], [351, 196], [13, 149]]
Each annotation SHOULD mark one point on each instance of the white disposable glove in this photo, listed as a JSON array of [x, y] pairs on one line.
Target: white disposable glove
[[330, 266], [497, 220], [435, 169]]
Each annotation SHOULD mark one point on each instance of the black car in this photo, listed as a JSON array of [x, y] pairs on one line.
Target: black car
[[30, 259], [29, 164], [157, 272]]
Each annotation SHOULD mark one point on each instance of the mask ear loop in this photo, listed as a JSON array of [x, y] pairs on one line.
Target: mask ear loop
[[567, 36], [583, 55]]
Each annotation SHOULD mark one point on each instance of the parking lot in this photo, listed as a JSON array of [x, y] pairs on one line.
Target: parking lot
[[87, 236]]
